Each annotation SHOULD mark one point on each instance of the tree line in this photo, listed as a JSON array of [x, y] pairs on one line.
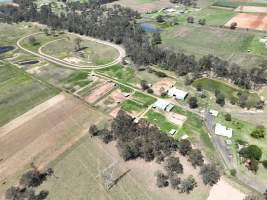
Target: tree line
[[119, 25]]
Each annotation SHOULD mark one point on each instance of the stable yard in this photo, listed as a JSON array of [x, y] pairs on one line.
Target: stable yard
[[77, 170], [163, 85], [43, 133], [19, 92], [250, 21]]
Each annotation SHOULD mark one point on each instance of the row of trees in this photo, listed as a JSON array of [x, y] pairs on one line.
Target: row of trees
[[119, 25]]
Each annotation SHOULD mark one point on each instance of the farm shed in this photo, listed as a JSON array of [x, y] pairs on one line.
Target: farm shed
[[223, 131], [163, 104], [178, 94], [214, 112]]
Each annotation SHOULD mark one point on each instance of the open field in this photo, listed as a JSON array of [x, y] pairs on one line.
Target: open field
[[42, 133], [78, 169], [250, 21], [144, 6], [237, 3], [91, 53], [19, 92], [227, 44]]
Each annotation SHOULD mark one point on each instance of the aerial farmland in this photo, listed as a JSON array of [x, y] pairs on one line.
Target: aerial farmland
[[133, 100]]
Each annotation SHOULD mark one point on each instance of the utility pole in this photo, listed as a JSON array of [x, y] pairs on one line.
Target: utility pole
[[107, 175]]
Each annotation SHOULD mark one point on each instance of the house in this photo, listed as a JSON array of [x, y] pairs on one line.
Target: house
[[178, 94], [172, 132], [163, 105], [223, 131], [213, 112]]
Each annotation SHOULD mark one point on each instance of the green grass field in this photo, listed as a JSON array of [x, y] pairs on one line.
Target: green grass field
[[132, 106], [227, 44], [143, 99], [123, 74], [93, 53], [160, 121], [19, 92]]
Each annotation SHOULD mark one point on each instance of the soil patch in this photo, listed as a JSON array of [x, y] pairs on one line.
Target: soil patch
[[163, 85], [250, 21], [176, 118], [99, 92]]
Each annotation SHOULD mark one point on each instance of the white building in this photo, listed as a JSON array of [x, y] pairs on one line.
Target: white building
[[214, 112], [178, 94], [163, 105], [223, 131], [172, 132]]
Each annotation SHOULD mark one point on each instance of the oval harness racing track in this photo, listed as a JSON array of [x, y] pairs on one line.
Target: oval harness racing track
[[122, 53]]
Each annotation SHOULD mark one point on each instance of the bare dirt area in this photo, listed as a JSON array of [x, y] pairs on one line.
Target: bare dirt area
[[99, 92], [42, 134], [163, 85], [111, 101], [145, 6], [176, 118], [250, 21], [251, 9], [115, 112], [223, 190]]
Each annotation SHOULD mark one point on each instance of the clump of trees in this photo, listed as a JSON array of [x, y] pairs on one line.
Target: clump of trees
[[187, 184], [137, 140], [28, 181], [251, 157], [210, 174], [192, 101]]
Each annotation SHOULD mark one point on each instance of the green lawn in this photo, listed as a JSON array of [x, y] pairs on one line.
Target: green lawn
[[78, 78], [160, 121], [19, 93], [143, 99], [121, 73], [132, 106]]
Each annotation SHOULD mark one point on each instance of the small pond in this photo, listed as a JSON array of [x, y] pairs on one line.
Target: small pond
[[5, 49], [29, 62], [149, 28]]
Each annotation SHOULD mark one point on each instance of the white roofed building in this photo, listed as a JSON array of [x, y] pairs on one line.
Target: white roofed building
[[223, 131], [178, 94], [162, 104], [214, 112]]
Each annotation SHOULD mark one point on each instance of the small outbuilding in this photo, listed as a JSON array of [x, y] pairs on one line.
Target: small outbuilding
[[223, 131], [163, 105], [172, 132], [178, 94], [214, 112]]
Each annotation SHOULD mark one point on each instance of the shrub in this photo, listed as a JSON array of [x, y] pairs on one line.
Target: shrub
[[233, 25], [184, 147], [192, 101], [187, 185], [150, 91], [162, 180], [93, 130], [233, 172], [252, 152], [174, 182], [195, 157], [210, 174], [259, 132], [173, 165], [264, 163], [228, 117], [190, 20]]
